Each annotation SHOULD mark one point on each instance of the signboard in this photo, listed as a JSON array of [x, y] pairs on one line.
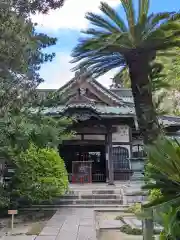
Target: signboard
[[12, 212]]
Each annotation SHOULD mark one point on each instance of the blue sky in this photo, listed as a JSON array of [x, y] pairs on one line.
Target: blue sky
[[66, 23]]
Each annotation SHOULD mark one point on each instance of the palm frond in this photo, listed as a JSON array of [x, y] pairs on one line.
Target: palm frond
[[143, 9], [164, 171], [110, 36], [100, 64], [130, 14], [113, 16], [101, 22]]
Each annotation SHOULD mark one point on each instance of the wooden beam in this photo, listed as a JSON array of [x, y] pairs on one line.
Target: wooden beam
[[110, 157]]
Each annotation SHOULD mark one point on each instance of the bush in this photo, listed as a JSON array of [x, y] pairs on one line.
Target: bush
[[135, 208], [40, 175], [4, 198], [154, 194], [127, 229], [130, 231]]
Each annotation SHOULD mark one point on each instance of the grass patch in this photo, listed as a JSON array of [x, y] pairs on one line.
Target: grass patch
[[36, 228], [35, 216]]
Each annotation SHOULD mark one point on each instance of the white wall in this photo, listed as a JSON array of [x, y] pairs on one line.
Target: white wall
[[137, 142], [122, 134]]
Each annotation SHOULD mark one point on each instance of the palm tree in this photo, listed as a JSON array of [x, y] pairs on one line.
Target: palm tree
[[156, 76], [112, 43]]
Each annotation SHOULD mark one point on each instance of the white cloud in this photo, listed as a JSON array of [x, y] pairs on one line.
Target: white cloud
[[71, 15], [57, 73]]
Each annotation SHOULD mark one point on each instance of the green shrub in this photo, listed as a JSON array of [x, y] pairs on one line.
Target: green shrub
[[127, 229], [135, 208], [130, 231], [40, 175], [154, 194], [4, 198]]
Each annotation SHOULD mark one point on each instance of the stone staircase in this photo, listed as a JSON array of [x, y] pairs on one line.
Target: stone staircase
[[85, 198], [91, 198]]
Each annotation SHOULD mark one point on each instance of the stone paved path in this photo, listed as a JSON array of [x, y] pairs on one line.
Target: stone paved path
[[66, 224]]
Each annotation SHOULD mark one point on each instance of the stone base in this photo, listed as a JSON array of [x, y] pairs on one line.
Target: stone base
[[137, 176]]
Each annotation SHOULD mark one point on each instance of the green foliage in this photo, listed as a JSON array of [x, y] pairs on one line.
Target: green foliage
[[135, 208], [22, 51], [21, 48], [4, 198], [164, 161], [130, 231], [140, 213], [40, 175], [114, 42], [154, 194], [127, 229], [18, 131], [43, 6], [164, 179], [170, 222], [156, 77]]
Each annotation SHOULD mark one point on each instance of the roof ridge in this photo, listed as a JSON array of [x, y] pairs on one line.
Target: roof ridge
[[108, 90]]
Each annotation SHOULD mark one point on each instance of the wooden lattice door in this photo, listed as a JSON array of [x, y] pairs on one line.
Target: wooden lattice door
[[120, 158]]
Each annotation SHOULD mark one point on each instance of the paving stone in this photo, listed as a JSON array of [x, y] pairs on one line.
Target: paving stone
[[133, 222], [136, 222], [21, 237], [86, 233], [50, 231], [45, 238], [110, 224], [57, 223], [69, 229], [89, 221]]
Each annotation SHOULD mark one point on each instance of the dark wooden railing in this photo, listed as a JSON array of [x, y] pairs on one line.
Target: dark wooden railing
[[123, 175]]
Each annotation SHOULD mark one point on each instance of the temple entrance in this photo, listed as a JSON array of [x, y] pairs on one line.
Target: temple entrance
[[87, 153]]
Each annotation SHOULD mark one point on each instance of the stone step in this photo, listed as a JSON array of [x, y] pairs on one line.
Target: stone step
[[89, 201], [101, 196], [68, 197], [103, 191], [56, 207]]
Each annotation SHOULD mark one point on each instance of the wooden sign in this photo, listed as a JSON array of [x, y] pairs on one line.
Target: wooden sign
[[12, 212]]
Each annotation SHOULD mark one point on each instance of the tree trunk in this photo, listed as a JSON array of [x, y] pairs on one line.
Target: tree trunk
[[142, 93]]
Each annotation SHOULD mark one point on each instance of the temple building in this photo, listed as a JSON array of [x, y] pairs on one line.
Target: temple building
[[107, 137]]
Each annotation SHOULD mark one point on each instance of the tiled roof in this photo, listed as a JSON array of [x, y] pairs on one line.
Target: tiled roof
[[125, 94], [101, 110], [111, 111], [111, 94], [116, 110]]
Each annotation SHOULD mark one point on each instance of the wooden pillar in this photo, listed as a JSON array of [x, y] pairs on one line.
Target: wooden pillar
[[107, 164], [110, 159]]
